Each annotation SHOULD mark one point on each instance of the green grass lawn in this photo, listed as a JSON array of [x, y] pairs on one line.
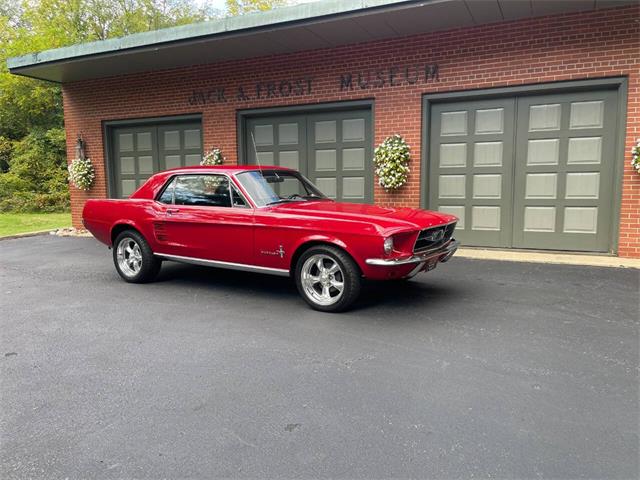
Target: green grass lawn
[[14, 223]]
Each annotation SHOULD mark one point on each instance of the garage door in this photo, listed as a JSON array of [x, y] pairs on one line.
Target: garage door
[[141, 151], [526, 172], [332, 149]]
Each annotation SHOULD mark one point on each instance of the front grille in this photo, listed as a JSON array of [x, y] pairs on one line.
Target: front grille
[[432, 238]]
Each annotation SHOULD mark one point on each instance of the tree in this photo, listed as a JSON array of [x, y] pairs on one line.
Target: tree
[[239, 7], [32, 154]]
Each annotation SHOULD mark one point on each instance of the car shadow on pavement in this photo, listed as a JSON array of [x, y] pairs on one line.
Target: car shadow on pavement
[[393, 294], [405, 294]]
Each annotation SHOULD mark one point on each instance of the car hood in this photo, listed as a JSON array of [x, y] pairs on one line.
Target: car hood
[[389, 219]]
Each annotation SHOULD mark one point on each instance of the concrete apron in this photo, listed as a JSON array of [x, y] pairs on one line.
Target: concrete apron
[[548, 257]]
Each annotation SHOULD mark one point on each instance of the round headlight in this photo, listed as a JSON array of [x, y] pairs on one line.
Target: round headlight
[[388, 245]]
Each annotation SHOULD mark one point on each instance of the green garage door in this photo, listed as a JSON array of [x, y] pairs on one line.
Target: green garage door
[[527, 172], [141, 151], [332, 149]]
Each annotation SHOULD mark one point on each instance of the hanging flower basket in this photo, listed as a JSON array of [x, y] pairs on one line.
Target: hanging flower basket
[[81, 173], [391, 158], [213, 157], [635, 156]]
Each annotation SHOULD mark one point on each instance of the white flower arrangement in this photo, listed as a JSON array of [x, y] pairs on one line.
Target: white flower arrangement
[[635, 156], [81, 173], [391, 158], [213, 157]]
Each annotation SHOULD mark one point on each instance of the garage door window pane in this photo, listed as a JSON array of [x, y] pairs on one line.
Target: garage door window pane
[[192, 139], [325, 160], [353, 188], [353, 159], [353, 130], [326, 132], [453, 155], [489, 121], [127, 165], [144, 141], [544, 117], [126, 142], [487, 154], [586, 114], [452, 186], [172, 140], [172, 161], [192, 159], [289, 159], [288, 134], [543, 152], [485, 218], [263, 134], [327, 186], [453, 123], [581, 220], [145, 164], [128, 187], [585, 150]]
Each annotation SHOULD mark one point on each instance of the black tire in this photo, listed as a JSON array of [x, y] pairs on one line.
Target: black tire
[[143, 271], [349, 274]]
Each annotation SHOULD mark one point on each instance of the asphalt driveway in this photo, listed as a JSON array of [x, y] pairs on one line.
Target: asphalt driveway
[[478, 369]]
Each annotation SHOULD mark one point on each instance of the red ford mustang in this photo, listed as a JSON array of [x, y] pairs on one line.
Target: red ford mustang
[[267, 220]]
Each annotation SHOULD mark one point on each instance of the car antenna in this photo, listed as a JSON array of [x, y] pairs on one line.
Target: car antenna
[[255, 149]]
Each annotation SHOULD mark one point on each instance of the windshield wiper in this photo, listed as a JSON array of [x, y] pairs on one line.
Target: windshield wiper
[[281, 200]]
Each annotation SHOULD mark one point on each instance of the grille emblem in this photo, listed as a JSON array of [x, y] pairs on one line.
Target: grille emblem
[[435, 236]]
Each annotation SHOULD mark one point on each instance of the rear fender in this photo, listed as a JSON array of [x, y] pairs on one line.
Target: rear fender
[[124, 224]]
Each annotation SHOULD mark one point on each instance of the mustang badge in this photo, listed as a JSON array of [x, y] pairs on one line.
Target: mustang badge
[[279, 252]]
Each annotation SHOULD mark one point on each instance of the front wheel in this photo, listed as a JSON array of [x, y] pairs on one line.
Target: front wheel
[[327, 278], [134, 259]]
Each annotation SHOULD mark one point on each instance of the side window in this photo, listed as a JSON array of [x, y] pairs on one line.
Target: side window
[[238, 199], [203, 190], [167, 193]]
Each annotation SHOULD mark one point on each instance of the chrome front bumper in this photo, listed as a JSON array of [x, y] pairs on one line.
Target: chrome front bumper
[[440, 255]]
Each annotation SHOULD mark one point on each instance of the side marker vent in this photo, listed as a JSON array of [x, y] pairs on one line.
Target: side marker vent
[[160, 231]]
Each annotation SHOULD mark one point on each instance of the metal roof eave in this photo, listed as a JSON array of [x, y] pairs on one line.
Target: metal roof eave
[[229, 26], [309, 26]]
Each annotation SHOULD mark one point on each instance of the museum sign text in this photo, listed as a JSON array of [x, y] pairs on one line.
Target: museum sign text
[[378, 78]]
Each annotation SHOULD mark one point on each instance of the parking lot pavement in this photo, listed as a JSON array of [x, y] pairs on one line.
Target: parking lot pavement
[[478, 369]]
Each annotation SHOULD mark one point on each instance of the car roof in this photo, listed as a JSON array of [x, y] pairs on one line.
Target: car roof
[[231, 169]]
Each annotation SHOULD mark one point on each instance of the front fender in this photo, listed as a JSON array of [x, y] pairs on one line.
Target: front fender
[[359, 248]]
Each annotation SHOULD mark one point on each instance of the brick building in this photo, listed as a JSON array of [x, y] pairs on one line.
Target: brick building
[[520, 114]]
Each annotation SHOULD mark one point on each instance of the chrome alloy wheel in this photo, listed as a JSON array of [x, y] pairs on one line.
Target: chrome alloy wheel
[[322, 280], [129, 257]]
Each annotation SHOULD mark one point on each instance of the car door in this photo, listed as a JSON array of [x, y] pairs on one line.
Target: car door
[[205, 217]]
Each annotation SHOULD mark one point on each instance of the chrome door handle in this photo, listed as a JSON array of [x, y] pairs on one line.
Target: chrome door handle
[[171, 211]]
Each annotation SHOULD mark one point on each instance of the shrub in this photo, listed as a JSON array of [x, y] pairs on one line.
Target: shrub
[[36, 179]]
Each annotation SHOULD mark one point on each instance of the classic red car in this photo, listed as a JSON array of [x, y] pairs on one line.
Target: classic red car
[[267, 220]]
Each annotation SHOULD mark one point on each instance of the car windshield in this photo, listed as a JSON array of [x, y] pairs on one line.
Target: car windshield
[[270, 187]]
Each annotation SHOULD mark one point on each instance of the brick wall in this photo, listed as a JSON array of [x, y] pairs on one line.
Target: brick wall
[[596, 44]]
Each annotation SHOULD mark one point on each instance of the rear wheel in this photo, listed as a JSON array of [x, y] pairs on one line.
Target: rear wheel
[[134, 259], [327, 278]]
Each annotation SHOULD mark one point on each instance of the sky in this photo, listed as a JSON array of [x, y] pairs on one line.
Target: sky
[[219, 4]]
